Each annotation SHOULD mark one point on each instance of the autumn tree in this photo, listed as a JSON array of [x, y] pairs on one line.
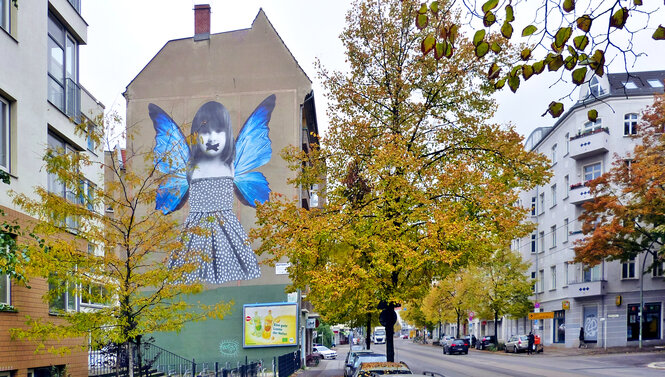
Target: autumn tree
[[109, 246], [416, 178], [568, 36], [626, 217], [452, 298], [414, 315], [504, 286]]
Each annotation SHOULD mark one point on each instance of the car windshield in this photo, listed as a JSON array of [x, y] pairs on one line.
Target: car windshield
[[369, 358], [380, 332], [322, 348], [458, 342]]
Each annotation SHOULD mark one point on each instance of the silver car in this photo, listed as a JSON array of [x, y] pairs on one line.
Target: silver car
[[517, 343]]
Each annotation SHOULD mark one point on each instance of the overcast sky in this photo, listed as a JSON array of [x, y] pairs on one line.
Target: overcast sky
[[125, 34]]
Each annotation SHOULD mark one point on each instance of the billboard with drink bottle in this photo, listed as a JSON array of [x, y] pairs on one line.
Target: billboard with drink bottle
[[270, 325]]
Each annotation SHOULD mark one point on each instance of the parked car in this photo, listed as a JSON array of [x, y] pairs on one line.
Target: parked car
[[456, 346], [485, 342], [326, 352], [517, 343], [363, 357], [368, 369], [350, 359], [446, 340]]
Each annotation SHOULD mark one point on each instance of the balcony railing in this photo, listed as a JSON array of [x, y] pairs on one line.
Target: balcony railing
[[589, 143], [586, 288], [579, 193]]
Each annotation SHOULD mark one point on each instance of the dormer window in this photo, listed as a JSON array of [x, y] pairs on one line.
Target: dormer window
[[629, 85], [655, 83], [595, 89]]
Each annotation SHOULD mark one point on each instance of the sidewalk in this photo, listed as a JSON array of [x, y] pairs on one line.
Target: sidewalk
[[328, 368]]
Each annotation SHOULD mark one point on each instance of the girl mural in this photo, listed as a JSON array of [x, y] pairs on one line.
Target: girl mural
[[206, 174]]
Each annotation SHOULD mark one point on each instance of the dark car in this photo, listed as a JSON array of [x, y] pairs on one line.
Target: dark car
[[456, 346], [485, 342]]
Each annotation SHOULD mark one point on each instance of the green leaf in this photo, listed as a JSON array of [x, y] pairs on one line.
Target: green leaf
[[584, 23], [525, 54], [562, 36], [495, 47], [578, 75], [500, 84], [423, 8], [514, 83], [527, 71], [482, 49], [618, 19], [489, 5], [515, 71], [555, 63], [427, 44], [448, 51], [555, 109], [421, 21], [452, 33], [580, 42], [637, 2], [507, 30], [493, 72], [568, 5], [592, 115], [659, 34], [439, 49], [489, 19], [478, 37], [570, 62], [529, 30], [510, 15], [434, 7], [597, 62], [538, 67]]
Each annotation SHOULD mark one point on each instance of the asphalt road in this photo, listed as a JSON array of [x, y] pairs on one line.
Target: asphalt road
[[421, 358]]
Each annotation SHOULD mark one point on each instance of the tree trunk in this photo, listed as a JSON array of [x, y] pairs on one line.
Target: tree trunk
[[458, 324], [130, 359], [496, 335], [388, 318], [368, 340]]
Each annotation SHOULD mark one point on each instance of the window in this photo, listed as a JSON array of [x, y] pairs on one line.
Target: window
[[595, 89], [94, 294], [650, 324], [57, 187], [629, 85], [542, 202], [533, 242], [63, 89], [628, 269], [655, 83], [542, 241], [87, 195], [553, 190], [565, 230], [591, 273], [5, 15], [76, 4], [5, 132], [553, 236], [566, 184], [658, 270], [567, 143], [541, 280], [592, 126], [533, 206], [554, 154], [566, 266], [65, 298], [535, 283], [630, 124], [553, 277], [5, 292], [591, 171]]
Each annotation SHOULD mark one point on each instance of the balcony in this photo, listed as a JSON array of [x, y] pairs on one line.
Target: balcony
[[586, 289], [579, 194], [589, 144]]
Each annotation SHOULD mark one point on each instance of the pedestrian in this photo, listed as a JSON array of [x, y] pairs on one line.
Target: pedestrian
[[473, 341], [531, 343], [582, 343]]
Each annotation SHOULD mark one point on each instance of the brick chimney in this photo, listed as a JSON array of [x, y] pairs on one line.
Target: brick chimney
[[201, 22]]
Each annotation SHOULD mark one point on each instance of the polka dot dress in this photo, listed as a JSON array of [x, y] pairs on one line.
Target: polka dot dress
[[228, 256]]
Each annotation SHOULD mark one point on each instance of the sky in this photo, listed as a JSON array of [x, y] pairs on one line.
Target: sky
[[123, 36]]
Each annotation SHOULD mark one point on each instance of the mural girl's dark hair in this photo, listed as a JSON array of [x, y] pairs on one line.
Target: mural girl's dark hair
[[213, 116]]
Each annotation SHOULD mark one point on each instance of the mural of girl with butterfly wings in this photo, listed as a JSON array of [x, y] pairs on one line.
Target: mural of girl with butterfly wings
[[206, 174]]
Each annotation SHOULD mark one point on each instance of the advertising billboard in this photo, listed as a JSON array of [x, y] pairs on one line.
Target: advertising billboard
[[270, 325]]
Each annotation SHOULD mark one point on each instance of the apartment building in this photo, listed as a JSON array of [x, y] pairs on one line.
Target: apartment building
[[603, 299], [40, 95], [237, 75]]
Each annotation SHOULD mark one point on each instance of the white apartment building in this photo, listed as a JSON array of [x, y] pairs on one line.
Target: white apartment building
[[604, 299], [39, 95]]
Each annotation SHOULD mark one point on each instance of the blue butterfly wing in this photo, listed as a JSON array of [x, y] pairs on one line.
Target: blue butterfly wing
[[254, 149], [171, 157]]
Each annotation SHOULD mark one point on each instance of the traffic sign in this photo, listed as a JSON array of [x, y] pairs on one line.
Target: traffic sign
[[542, 315]]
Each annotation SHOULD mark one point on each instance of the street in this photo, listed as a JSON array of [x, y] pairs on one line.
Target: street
[[422, 357]]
